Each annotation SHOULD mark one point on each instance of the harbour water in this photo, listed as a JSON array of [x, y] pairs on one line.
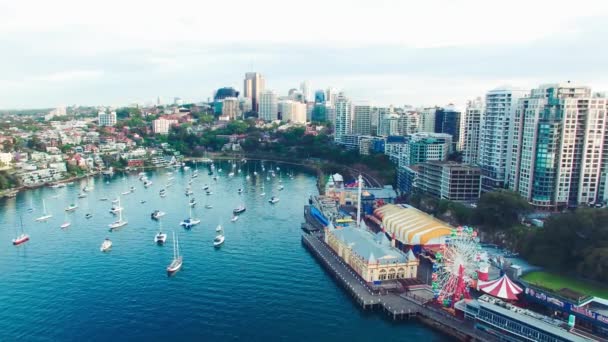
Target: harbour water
[[262, 285]]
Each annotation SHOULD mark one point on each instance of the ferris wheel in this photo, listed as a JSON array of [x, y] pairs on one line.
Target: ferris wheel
[[456, 265]]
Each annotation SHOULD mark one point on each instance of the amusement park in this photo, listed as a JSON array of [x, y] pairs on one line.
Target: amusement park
[[410, 261]]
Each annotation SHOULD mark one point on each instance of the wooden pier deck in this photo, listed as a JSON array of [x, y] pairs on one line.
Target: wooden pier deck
[[397, 306]]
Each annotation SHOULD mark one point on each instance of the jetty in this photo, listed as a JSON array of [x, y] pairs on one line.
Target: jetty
[[397, 306]]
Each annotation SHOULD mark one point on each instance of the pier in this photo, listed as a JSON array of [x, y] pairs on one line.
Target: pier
[[396, 306]]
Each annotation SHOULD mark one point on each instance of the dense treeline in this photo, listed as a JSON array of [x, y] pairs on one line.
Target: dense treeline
[[8, 180], [573, 242]]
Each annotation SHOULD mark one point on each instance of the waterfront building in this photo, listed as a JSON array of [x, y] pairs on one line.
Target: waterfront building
[[106, 119], [427, 119], [162, 125], [472, 129], [370, 255], [448, 120], [418, 148], [253, 86], [448, 180], [230, 108], [268, 106], [495, 137], [558, 145], [343, 117], [512, 323], [410, 228], [362, 121]]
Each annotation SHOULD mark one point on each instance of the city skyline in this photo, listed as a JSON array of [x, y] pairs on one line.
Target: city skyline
[[64, 57]]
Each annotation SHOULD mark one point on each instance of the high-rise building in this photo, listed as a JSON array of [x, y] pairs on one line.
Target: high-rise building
[[292, 111], [557, 150], [426, 122], [268, 105], [408, 122], [225, 92], [448, 180], [343, 117], [253, 86], [494, 137], [319, 113], [448, 120], [472, 129], [230, 108], [106, 119], [306, 91], [362, 121], [320, 96]]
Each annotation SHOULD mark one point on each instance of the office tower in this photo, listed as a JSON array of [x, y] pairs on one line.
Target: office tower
[[268, 105], [427, 119], [472, 129], [254, 85], [106, 119], [448, 120], [557, 150], [306, 91], [330, 97], [494, 137], [319, 113], [177, 101], [362, 120], [319, 96], [343, 117], [245, 105], [292, 111]]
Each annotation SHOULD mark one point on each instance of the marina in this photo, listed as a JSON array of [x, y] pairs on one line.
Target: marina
[[128, 287]]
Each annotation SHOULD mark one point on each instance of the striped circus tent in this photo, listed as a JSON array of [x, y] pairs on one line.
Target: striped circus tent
[[502, 287]]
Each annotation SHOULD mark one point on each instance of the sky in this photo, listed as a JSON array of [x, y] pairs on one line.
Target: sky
[[420, 53]]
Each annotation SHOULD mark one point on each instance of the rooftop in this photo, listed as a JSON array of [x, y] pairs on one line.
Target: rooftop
[[372, 247], [412, 226]]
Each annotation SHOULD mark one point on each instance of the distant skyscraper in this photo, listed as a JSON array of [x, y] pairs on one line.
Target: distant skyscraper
[[558, 145], [268, 105], [494, 136], [343, 117], [319, 113], [448, 120], [472, 128], [427, 119], [306, 91], [177, 101], [225, 92], [408, 122], [319, 96], [254, 84], [292, 111], [230, 108], [362, 121]]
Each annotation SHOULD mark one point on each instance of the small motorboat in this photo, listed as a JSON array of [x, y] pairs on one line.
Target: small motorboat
[[65, 225], [82, 195], [192, 202], [234, 218], [106, 245], [115, 209], [209, 193], [189, 222], [114, 201], [240, 191], [71, 207], [281, 187], [103, 199], [88, 216], [160, 238], [157, 214], [238, 210], [219, 240], [142, 201], [273, 200], [132, 189], [208, 206], [231, 174], [218, 228], [205, 187], [147, 183]]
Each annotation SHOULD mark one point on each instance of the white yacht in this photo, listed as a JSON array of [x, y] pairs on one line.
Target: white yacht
[[120, 222], [219, 238], [176, 263], [45, 215], [71, 207], [190, 221], [273, 200], [106, 245]]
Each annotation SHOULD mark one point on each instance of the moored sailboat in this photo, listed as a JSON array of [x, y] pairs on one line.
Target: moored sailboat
[[177, 262]]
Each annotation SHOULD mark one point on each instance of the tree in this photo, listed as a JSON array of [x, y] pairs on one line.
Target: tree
[[501, 209]]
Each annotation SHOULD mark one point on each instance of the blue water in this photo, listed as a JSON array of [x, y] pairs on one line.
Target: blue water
[[262, 285]]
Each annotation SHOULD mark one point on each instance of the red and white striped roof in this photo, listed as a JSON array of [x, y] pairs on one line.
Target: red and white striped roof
[[502, 287]]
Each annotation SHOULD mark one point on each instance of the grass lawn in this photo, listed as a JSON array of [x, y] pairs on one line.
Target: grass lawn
[[557, 282]]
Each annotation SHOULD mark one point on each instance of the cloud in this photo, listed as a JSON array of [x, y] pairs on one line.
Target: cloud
[[431, 52]]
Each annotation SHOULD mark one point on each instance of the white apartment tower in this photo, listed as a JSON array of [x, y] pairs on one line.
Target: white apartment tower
[[343, 117], [268, 106], [558, 153], [494, 136], [471, 132], [426, 122], [106, 119]]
